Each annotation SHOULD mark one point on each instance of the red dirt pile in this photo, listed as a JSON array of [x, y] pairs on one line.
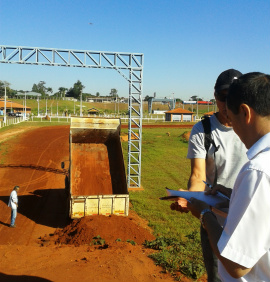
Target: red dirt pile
[[186, 135], [108, 228]]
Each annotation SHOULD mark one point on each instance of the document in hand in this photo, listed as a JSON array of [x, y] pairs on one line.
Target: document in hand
[[211, 200]]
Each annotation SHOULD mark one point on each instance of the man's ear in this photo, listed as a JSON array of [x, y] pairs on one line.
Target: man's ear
[[247, 112]]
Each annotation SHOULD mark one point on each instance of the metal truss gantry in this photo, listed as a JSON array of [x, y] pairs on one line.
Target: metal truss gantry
[[129, 65]]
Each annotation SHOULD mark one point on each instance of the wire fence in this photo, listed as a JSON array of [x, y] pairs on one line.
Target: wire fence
[[124, 119], [55, 118], [10, 121]]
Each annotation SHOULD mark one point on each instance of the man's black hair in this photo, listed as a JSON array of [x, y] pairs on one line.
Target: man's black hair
[[252, 89]]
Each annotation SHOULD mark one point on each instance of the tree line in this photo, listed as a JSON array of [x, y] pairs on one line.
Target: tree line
[[76, 91]]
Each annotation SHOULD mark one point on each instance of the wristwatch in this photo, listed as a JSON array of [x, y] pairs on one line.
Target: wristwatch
[[202, 216]]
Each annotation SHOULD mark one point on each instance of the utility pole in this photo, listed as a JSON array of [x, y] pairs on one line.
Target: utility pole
[[81, 106], [38, 105], [115, 107], [5, 110], [24, 105], [46, 107]]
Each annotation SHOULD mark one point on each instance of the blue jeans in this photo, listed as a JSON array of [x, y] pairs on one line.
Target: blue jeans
[[210, 259], [13, 216]]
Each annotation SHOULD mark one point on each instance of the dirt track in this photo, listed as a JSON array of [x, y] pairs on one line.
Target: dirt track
[[33, 163]]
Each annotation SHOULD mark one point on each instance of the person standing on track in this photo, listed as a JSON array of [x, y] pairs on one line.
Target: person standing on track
[[13, 204]]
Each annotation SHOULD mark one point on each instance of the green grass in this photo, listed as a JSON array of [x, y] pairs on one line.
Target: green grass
[[164, 164], [109, 108]]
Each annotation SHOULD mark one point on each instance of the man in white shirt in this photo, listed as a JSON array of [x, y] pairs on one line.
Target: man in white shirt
[[243, 246], [13, 203]]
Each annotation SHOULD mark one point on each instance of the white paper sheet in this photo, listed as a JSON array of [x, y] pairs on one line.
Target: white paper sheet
[[211, 200]]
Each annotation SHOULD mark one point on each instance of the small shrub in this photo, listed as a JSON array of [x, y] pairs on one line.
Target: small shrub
[[131, 242], [97, 240], [178, 255], [184, 137]]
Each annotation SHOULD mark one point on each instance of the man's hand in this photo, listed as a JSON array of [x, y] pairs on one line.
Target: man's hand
[[197, 206], [224, 190], [180, 205]]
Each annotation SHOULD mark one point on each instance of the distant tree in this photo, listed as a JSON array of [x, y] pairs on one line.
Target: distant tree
[[113, 93], [76, 90], [62, 91], [213, 101], [50, 90], [194, 98], [40, 88], [146, 98], [11, 93], [179, 100], [4, 84], [97, 94]]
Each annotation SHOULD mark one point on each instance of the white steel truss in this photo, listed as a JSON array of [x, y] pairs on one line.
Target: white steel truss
[[129, 65]]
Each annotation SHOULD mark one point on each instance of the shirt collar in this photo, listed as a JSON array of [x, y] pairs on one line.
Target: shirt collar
[[262, 144], [220, 125]]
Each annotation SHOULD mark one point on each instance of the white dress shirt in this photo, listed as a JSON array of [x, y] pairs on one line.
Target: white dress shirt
[[13, 200], [246, 236]]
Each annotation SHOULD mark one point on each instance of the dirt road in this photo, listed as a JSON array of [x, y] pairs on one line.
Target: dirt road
[[33, 162]]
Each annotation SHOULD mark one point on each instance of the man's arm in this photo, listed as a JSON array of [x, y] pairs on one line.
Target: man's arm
[[195, 183], [197, 175], [214, 231]]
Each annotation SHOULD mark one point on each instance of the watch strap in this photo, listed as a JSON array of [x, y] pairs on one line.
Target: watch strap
[[203, 212]]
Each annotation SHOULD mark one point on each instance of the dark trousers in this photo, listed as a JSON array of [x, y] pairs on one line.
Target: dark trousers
[[210, 259]]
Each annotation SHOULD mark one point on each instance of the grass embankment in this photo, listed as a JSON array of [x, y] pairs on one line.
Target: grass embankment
[[62, 106], [164, 164]]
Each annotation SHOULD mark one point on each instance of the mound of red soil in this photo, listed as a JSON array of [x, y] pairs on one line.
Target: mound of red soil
[[186, 135], [87, 230]]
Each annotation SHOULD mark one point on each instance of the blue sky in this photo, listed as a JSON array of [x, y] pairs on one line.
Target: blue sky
[[186, 44]]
